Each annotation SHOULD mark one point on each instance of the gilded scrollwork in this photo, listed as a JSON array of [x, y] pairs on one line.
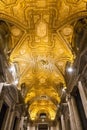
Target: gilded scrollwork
[[41, 34]]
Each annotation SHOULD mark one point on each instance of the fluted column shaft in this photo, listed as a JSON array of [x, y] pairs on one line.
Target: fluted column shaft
[[21, 123], [63, 122], [1, 87], [76, 114], [83, 97], [7, 118], [72, 120]]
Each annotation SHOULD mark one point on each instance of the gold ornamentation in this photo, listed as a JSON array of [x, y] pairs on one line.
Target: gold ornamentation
[[41, 33]]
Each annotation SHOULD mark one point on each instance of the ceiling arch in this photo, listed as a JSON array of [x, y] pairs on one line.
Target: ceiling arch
[[41, 34]]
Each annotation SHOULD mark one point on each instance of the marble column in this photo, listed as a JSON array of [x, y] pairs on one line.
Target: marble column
[[57, 126], [1, 103], [1, 87], [11, 118], [52, 128], [71, 114], [63, 122], [28, 127], [7, 119], [21, 123], [1, 100], [83, 97], [76, 114], [18, 123], [33, 128], [36, 127], [48, 128]]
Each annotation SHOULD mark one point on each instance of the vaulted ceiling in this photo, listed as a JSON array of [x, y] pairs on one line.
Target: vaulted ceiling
[[40, 45]]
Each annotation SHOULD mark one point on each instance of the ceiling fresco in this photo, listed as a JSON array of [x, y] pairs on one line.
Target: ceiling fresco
[[41, 33]]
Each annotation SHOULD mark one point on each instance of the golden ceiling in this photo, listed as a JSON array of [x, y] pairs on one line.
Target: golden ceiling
[[40, 46]]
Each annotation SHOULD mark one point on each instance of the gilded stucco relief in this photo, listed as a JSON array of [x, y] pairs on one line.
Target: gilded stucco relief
[[41, 44]]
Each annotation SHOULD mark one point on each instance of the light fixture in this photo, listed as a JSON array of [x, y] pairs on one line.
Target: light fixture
[[15, 82], [12, 69], [70, 69], [64, 90], [58, 106]]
